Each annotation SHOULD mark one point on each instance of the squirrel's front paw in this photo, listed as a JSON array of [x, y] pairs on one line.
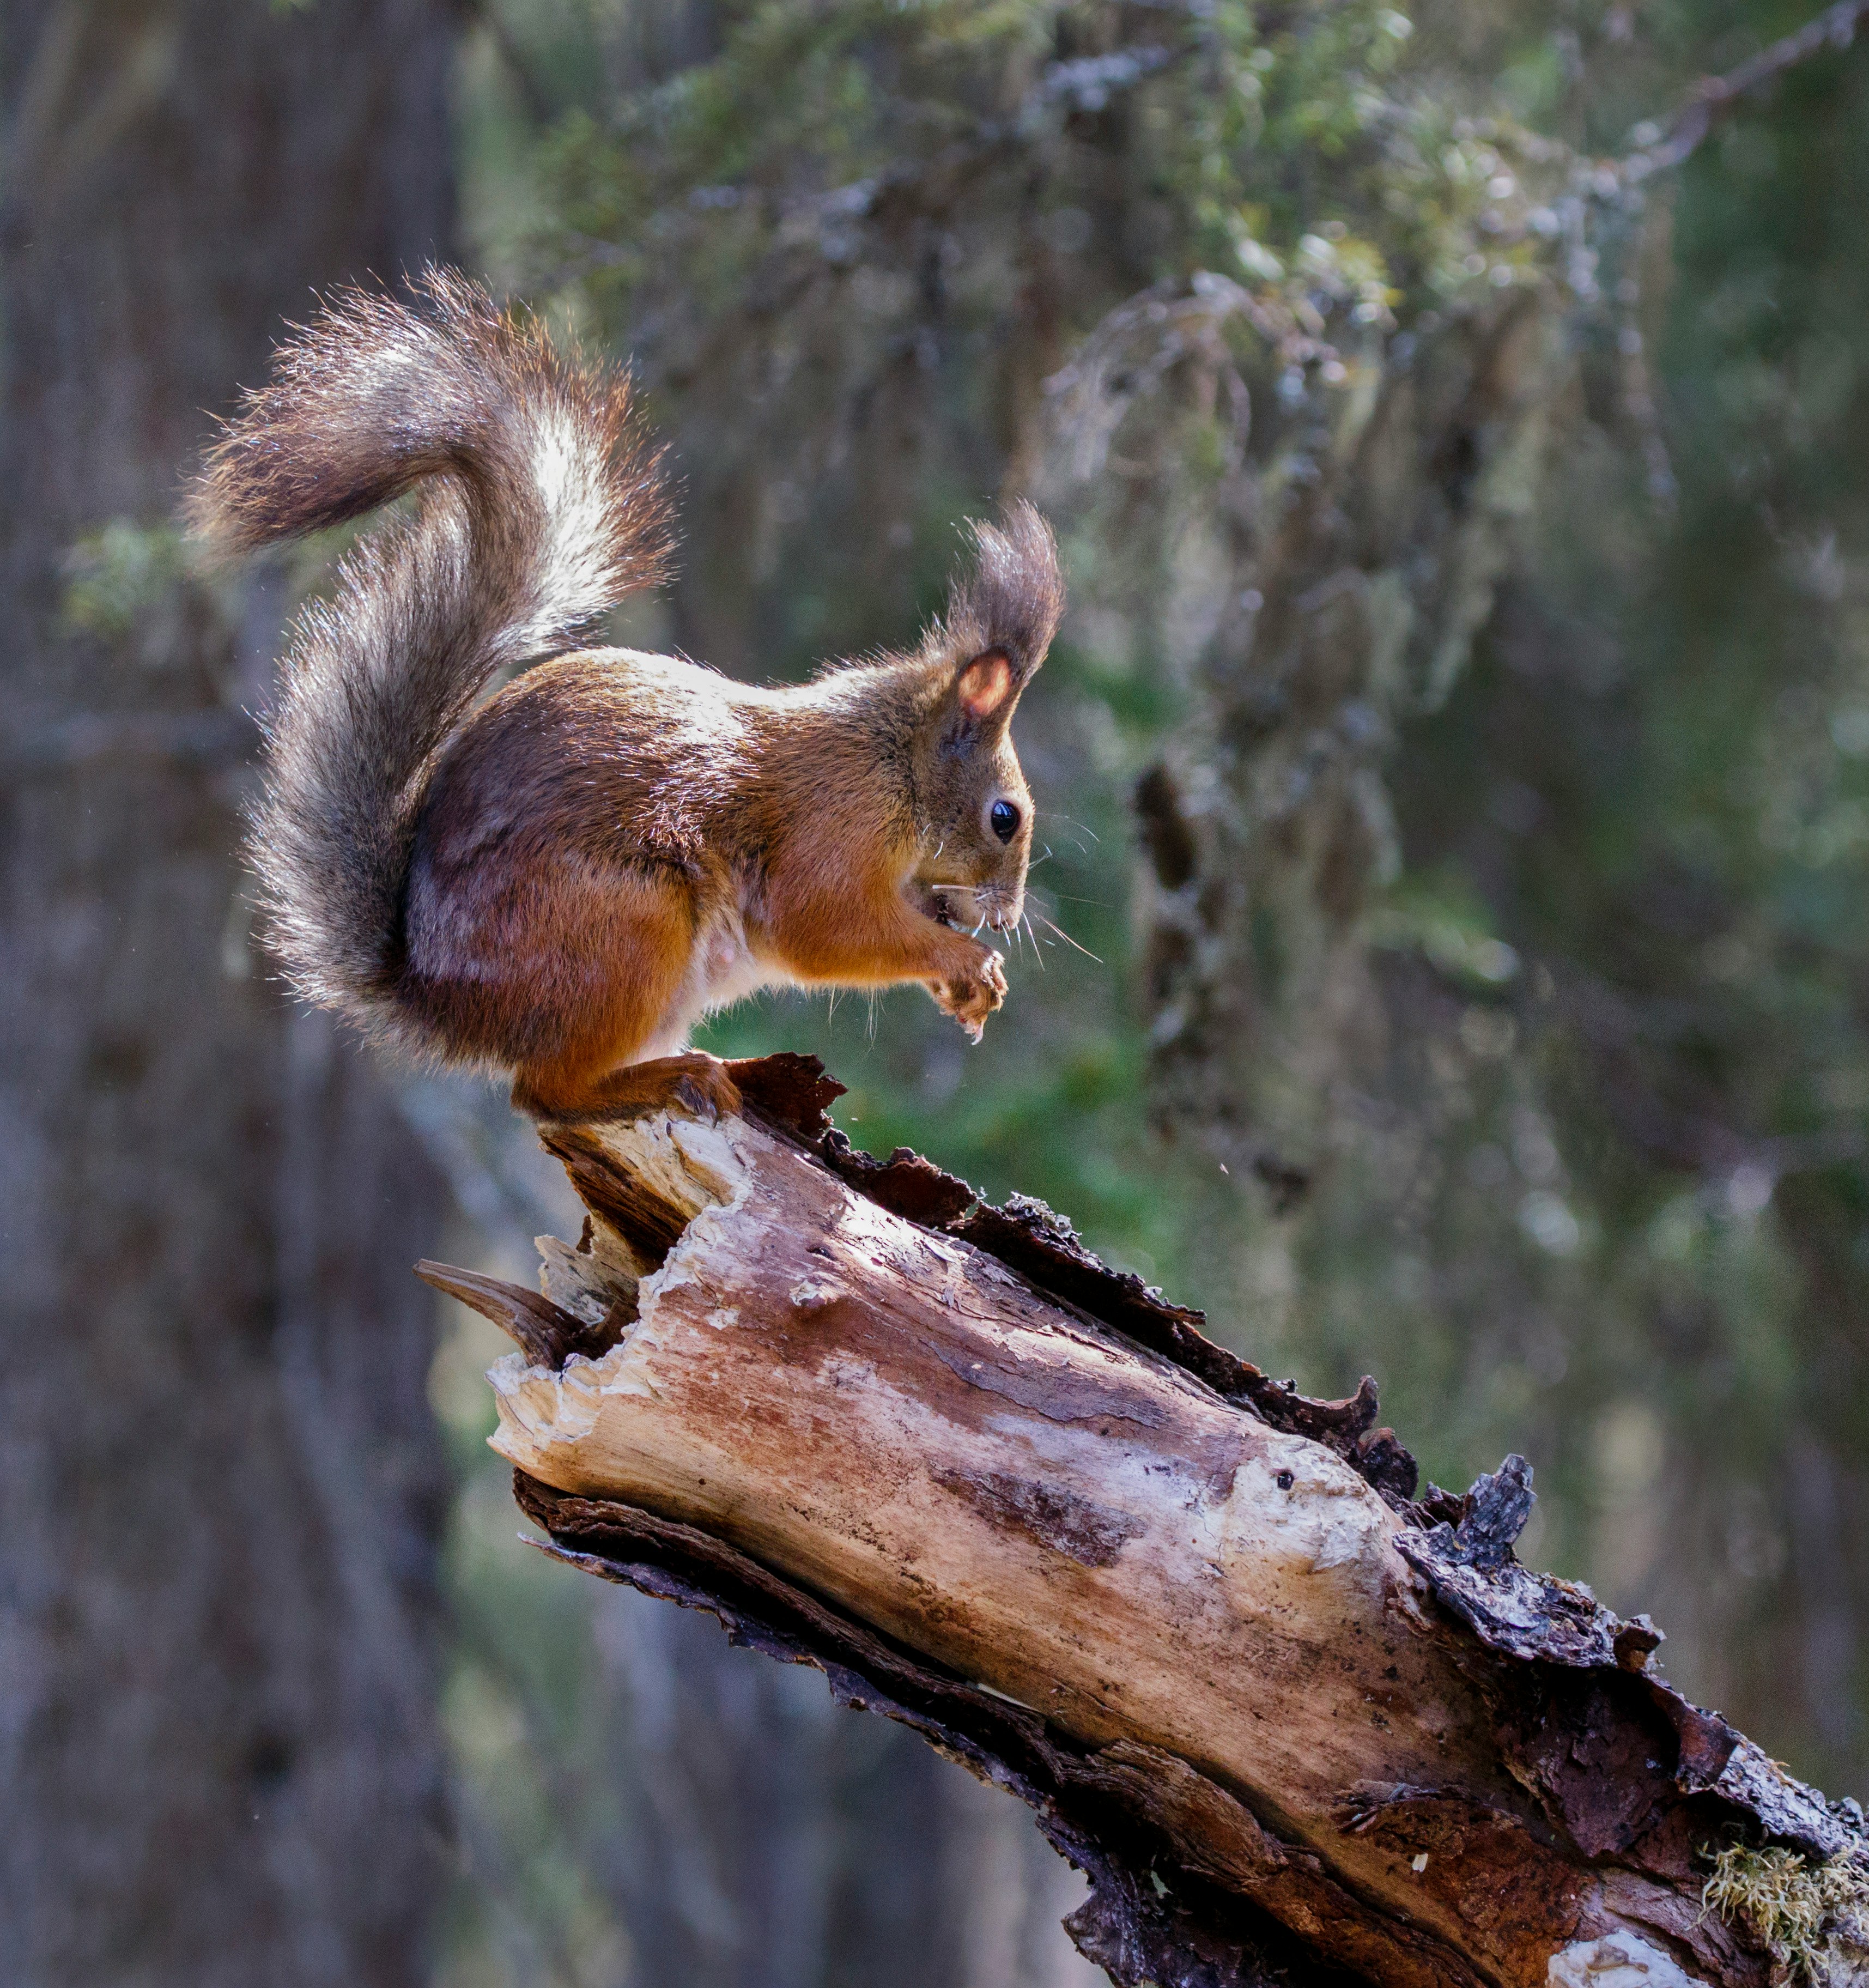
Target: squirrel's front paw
[[971, 996]]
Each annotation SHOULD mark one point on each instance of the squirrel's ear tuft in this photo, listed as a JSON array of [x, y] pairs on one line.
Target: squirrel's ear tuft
[[1007, 608]]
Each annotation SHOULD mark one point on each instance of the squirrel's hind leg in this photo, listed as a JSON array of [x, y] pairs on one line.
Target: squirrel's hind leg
[[633, 935]]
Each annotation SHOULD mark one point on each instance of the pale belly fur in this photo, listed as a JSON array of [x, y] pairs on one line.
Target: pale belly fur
[[721, 971]]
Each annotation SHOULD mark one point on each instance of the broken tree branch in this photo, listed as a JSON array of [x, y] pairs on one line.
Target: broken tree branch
[[1295, 1722], [1714, 98]]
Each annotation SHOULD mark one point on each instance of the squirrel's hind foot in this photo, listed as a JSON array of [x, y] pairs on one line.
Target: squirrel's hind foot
[[693, 1082]]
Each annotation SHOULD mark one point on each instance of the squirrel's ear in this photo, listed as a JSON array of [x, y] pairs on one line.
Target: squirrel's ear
[[985, 688], [1002, 616]]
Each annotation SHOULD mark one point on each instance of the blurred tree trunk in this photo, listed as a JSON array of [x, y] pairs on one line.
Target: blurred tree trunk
[[768, 1840], [216, 1572]]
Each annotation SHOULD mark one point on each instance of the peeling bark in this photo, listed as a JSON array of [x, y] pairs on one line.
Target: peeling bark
[[1294, 1722]]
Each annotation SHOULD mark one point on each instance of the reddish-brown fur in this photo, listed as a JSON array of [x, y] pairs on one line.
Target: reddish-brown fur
[[561, 881], [604, 816]]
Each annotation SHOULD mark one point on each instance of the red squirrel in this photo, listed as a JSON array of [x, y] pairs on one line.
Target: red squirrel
[[560, 880]]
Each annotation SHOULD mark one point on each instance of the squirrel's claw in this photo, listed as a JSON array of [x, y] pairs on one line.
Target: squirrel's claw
[[971, 997]]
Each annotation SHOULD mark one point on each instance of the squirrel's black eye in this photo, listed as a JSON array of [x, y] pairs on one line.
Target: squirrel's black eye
[[1005, 818]]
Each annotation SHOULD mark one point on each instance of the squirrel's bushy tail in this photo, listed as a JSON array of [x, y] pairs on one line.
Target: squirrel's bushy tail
[[539, 507]]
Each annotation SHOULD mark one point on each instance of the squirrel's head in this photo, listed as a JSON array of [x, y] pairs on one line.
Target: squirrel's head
[[973, 808]]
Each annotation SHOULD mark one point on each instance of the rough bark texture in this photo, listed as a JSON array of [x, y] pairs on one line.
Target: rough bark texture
[[220, 1487], [1293, 1721]]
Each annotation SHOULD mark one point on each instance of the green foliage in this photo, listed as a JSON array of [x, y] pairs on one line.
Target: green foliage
[[1302, 152], [1653, 779], [120, 575], [1446, 917]]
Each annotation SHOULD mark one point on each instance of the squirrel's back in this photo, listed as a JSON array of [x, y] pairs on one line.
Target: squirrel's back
[[537, 508]]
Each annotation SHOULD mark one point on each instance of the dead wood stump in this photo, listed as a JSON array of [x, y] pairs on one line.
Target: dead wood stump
[[1296, 1722]]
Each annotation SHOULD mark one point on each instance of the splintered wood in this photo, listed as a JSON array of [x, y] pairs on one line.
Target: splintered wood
[[1273, 1703]]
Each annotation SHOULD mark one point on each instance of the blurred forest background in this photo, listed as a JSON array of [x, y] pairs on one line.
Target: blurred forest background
[[1455, 779]]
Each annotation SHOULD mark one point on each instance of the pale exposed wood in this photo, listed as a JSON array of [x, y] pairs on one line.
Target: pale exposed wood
[[1415, 1762]]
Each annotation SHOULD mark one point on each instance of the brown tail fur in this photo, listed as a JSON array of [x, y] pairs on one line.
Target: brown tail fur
[[539, 509]]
